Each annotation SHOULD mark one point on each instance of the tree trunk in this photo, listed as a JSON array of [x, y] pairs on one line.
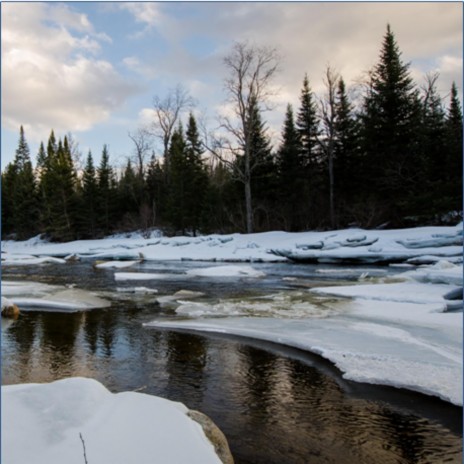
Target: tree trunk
[[248, 207], [331, 189]]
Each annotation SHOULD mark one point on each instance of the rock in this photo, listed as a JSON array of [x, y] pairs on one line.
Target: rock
[[9, 309], [214, 435]]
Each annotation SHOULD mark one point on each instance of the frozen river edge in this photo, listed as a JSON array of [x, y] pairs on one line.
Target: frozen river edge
[[400, 334]]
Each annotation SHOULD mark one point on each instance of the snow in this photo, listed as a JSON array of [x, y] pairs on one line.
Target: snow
[[46, 421], [116, 264], [34, 295], [402, 331], [226, 271], [350, 245]]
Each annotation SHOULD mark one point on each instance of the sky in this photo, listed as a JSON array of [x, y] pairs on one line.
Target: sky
[[92, 69]]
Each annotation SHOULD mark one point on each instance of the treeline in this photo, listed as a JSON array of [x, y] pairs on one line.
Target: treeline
[[392, 156]]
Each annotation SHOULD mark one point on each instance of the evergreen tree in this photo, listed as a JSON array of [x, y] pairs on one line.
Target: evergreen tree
[[454, 149], [346, 153], [9, 181], [21, 199], [45, 162], [156, 191], [106, 193], [307, 123], [197, 181], [128, 198], [290, 169], [63, 178], [89, 200], [263, 170], [178, 189], [391, 132]]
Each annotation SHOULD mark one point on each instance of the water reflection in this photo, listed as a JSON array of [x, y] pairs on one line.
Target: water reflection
[[274, 406]]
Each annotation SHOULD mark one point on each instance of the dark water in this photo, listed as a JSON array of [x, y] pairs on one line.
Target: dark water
[[275, 405]]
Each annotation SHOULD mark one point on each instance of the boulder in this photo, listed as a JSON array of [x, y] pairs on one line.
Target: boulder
[[9, 309], [214, 435]]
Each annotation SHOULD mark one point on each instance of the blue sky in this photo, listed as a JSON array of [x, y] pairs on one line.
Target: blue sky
[[92, 68]]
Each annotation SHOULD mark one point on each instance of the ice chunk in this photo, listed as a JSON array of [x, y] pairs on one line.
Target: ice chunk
[[226, 271]]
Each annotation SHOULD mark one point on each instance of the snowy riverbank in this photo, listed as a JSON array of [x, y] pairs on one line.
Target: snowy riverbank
[[417, 246], [404, 331]]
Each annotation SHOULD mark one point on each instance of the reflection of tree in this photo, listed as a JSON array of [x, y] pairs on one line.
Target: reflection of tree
[[405, 435], [186, 363], [17, 358], [58, 338], [259, 380], [100, 329]]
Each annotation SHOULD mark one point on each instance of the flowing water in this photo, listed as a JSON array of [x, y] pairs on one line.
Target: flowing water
[[275, 404]]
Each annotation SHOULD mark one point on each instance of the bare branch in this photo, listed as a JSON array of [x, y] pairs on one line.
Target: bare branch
[[167, 113]]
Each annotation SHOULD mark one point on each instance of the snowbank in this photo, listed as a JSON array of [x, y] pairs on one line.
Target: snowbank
[[44, 297], [47, 423], [342, 246]]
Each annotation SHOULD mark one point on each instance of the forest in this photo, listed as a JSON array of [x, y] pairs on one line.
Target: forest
[[391, 157]]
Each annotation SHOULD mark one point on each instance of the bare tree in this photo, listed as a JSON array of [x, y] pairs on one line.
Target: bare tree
[[142, 148], [251, 69], [327, 138], [167, 113]]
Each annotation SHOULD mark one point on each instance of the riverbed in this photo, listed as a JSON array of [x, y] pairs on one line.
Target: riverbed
[[275, 404]]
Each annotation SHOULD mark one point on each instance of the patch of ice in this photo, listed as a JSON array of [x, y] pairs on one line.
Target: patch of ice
[[116, 264], [226, 271], [143, 276]]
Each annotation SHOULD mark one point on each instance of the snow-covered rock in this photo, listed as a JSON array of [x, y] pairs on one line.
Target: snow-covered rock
[[62, 421]]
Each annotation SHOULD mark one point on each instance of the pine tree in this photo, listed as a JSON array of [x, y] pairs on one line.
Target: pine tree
[[128, 205], [156, 191], [454, 149], [89, 200], [290, 178], [178, 189], [106, 193], [391, 122], [307, 123], [263, 169], [63, 178], [197, 177], [346, 152], [21, 201], [45, 162]]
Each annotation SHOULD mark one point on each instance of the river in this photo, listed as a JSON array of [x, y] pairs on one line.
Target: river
[[275, 404]]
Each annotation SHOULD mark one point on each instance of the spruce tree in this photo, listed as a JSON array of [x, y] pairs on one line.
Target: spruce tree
[[178, 188], [346, 153], [22, 200], [197, 177], [89, 200], [308, 124], [263, 170], [391, 121], [63, 178], [312, 185], [156, 191], [454, 150], [128, 205], [106, 193], [290, 179]]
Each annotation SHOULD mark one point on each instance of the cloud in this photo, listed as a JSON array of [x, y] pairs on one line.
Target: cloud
[[51, 74]]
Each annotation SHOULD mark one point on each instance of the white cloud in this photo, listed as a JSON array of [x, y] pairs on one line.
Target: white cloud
[[145, 13], [51, 77]]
